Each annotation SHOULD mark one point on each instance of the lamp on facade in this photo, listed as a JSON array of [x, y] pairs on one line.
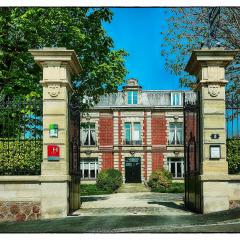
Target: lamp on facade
[[176, 153], [132, 152], [176, 117], [88, 152]]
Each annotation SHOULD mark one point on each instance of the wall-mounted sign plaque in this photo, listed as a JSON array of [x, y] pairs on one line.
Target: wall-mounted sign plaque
[[215, 136], [53, 130], [53, 153], [215, 152]]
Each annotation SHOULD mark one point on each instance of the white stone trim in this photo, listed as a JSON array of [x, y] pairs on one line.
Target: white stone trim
[[149, 165], [149, 127]]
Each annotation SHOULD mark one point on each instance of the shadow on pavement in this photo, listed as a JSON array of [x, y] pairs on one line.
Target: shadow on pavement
[[92, 199], [171, 205], [213, 222]]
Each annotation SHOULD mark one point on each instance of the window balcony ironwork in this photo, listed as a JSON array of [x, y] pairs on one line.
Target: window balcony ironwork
[[175, 143], [88, 145], [132, 142]]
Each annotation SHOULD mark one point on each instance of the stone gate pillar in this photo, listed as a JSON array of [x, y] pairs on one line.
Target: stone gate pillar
[[58, 65], [208, 65]]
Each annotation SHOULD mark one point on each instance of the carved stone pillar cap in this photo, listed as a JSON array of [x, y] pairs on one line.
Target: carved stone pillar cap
[[206, 57], [62, 55]]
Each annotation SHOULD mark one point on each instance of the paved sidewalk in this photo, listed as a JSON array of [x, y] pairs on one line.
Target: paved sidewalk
[[227, 221], [132, 213], [143, 203]]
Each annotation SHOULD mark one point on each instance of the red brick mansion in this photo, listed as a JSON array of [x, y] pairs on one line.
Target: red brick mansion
[[135, 131]]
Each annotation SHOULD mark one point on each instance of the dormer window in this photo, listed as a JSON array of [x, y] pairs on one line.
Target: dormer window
[[132, 97], [176, 99]]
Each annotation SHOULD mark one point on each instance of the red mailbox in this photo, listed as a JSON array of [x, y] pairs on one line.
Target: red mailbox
[[53, 153]]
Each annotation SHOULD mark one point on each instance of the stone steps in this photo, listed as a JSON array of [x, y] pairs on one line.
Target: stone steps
[[133, 188]]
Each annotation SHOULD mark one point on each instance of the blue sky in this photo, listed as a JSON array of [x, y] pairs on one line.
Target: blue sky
[[137, 30]]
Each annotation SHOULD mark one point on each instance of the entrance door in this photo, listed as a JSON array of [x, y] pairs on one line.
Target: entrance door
[[133, 170]]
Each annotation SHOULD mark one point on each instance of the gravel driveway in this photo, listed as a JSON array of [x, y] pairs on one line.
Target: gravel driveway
[[133, 204]]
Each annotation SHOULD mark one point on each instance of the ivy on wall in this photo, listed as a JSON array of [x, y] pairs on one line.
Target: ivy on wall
[[233, 155], [18, 157]]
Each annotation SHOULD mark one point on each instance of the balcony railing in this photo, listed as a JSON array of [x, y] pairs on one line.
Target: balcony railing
[[132, 142], [175, 143], [88, 145]]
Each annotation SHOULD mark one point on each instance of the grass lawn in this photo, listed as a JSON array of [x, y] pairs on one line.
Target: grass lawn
[[175, 188], [92, 189]]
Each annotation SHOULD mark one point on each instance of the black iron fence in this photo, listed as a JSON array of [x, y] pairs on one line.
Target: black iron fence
[[20, 135], [192, 153], [233, 116], [233, 133]]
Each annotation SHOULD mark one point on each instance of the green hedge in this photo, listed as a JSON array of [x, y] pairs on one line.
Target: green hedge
[[176, 187], [20, 157], [92, 189], [109, 180], [233, 155], [160, 180]]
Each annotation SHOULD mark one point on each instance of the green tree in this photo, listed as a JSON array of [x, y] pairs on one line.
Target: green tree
[[188, 28], [74, 28]]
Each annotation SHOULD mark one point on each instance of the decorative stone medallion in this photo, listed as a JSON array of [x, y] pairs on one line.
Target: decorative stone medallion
[[54, 90], [213, 90]]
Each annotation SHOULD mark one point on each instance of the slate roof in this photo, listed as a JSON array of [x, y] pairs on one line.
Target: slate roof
[[149, 98]]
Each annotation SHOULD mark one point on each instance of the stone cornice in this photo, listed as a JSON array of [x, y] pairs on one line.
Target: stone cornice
[[41, 56], [206, 57], [219, 177], [16, 178], [34, 179], [209, 82]]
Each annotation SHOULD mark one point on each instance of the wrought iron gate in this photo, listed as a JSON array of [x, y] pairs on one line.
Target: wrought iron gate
[[191, 152], [74, 140], [74, 153]]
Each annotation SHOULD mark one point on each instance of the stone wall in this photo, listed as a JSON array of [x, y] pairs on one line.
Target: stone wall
[[234, 191], [19, 211], [20, 198], [234, 187]]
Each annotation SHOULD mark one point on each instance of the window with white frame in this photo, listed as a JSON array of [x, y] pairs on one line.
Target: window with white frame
[[176, 99], [175, 133], [132, 133], [88, 168], [176, 167], [88, 136], [132, 97]]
